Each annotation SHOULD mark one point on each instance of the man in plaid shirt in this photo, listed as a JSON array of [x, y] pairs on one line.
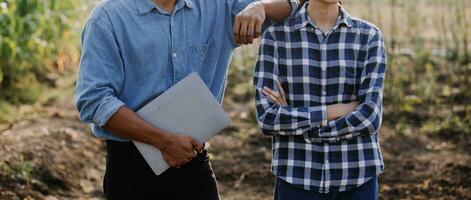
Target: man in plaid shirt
[[319, 82]]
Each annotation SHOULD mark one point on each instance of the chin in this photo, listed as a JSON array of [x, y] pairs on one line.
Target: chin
[[329, 1]]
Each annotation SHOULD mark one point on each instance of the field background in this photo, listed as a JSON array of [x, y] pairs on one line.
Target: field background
[[46, 153]]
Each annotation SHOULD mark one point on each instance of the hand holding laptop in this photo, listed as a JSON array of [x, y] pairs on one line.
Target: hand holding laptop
[[180, 149], [189, 109]]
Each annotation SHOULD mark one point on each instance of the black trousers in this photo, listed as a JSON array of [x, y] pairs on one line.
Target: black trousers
[[128, 176]]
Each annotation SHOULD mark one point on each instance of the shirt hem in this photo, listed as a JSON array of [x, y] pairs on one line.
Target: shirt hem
[[324, 192]]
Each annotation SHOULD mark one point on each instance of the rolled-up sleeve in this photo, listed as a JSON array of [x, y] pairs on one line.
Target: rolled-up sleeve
[[101, 74]]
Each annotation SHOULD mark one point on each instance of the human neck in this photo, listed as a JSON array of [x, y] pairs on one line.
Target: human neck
[[324, 15], [167, 5]]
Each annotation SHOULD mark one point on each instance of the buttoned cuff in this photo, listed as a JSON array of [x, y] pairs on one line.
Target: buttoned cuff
[[318, 116], [321, 117], [350, 127], [311, 135], [107, 108]]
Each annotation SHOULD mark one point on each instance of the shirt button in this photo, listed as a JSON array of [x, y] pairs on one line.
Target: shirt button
[[326, 162], [174, 55], [324, 93]]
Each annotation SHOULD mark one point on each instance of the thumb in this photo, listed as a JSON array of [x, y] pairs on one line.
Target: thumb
[[197, 145]]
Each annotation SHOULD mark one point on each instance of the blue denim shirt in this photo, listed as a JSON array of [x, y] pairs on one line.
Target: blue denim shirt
[[132, 51]]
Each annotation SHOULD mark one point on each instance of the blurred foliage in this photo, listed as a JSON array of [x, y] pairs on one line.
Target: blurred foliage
[[37, 38], [427, 85], [428, 41]]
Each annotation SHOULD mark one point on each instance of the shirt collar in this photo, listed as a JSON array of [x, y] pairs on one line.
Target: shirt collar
[[145, 6], [302, 18]]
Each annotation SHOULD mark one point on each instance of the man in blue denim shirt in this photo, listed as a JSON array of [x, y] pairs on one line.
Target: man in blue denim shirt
[[134, 50]]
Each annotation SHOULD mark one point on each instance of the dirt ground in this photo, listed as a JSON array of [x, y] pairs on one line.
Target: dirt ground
[[52, 155]]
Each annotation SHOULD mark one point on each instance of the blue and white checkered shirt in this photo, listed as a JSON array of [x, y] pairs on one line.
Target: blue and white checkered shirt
[[317, 69]]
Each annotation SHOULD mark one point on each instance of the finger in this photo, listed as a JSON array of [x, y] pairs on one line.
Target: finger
[[236, 30], [190, 157], [274, 99], [243, 31], [269, 92], [280, 88], [185, 161], [188, 147], [272, 92], [267, 89], [197, 146], [266, 93], [188, 144], [172, 163], [282, 92], [258, 29], [271, 97], [250, 32], [180, 164], [279, 100]]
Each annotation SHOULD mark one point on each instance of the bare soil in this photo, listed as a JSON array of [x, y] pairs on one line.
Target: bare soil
[[54, 156]]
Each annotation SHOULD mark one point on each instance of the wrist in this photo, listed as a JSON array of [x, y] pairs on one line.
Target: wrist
[[262, 4], [160, 139]]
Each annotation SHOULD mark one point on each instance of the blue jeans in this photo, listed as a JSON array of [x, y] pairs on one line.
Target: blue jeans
[[286, 191]]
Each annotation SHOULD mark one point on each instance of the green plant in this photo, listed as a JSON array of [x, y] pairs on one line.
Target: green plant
[[35, 39], [21, 168]]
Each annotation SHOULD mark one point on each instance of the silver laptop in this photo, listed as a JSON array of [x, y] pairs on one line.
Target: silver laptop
[[186, 108]]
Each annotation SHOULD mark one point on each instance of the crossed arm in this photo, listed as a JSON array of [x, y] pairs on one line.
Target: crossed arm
[[320, 123]]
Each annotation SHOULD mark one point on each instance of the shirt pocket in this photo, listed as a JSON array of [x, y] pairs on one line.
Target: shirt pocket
[[199, 56], [348, 79]]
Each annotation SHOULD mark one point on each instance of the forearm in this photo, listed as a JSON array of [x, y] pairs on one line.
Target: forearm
[[277, 10], [303, 117], [286, 120], [336, 111], [127, 123]]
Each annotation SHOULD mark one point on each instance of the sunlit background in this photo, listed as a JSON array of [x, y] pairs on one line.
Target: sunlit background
[[46, 153]]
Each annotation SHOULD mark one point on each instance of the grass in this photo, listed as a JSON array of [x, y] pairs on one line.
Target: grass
[[22, 169]]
